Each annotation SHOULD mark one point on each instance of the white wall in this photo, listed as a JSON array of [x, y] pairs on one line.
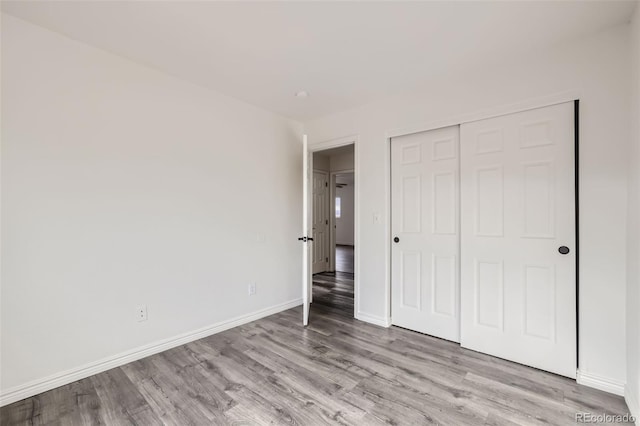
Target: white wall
[[345, 223], [598, 68], [124, 186], [633, 233], [321, 162], [343, 161]]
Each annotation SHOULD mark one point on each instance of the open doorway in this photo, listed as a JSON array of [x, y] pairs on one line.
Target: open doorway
[[333, 230]]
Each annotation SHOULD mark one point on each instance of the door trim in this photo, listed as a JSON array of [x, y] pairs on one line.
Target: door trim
[[335, 143]]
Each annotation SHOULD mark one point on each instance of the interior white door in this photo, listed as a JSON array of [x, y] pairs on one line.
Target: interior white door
[[320, 221], [518, 208], [306, 270], [425, 228]]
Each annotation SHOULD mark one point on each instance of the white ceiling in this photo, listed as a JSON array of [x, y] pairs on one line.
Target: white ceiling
[[343, 53]]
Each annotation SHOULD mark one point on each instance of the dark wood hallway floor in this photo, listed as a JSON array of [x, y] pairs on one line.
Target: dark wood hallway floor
[[335, 371], [344, 259], [333, 291]]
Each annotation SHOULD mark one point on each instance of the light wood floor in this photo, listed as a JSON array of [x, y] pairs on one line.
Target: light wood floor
[[335, 371]]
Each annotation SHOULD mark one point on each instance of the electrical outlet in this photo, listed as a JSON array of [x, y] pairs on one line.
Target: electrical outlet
[[252, 289], [141, 313]]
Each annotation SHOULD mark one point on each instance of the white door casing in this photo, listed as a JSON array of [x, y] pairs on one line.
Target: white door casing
[[320, 221], [425, 219], [518, 293]]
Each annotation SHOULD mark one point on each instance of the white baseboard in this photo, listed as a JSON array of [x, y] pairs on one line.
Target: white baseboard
[[373, 319], [599, 382], [59, 379], [633, 403]]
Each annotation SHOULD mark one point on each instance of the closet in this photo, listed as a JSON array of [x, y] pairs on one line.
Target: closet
[[484, 235]]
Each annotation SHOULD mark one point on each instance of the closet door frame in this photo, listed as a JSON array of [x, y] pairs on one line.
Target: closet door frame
[[525, 105]]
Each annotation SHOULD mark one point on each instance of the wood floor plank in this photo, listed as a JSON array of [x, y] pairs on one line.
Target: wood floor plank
[[262, 385], [20, 413], [433, 406], [311, 387], [336, 371], [165, 394], [211, 400], [119, 400]]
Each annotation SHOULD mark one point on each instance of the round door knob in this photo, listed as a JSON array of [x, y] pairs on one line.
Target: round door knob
[[396, 240], [563, 249]]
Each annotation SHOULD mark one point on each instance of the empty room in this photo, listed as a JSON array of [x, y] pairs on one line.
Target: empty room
[[314, 213]]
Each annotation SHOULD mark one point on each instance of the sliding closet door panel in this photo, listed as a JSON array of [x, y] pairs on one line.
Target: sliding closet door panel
[[518, 297], [425, 206]]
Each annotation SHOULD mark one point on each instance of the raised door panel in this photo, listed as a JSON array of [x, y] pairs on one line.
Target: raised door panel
[[445, 285], [489, 202], [411, 204], [410, 279], [539, 313], [489, 294], [444, 203], [538, 195]]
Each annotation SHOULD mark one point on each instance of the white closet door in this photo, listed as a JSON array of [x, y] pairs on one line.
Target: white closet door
[[424, 223], [518, 208]]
